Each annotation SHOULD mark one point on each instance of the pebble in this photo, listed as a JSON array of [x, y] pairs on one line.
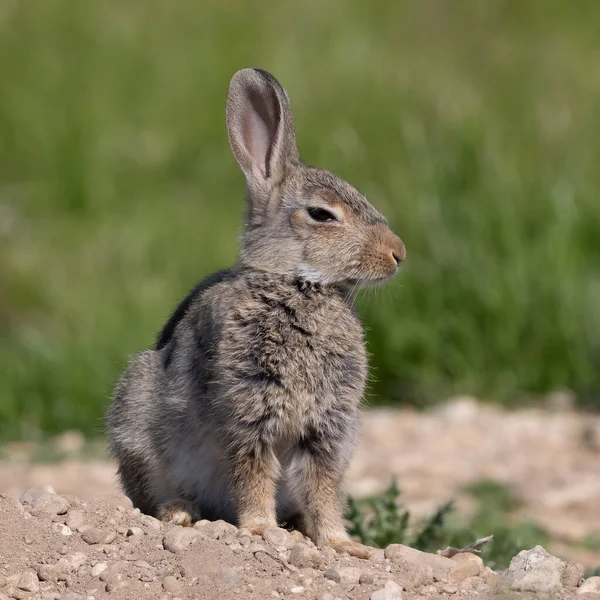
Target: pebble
[[151, 522], [391, 591], [303, 556], [28, 582], [349, 574], [35, 492], [94, 535], [277, 537], [171, 585], [332, 575], [468, 568], [573, 575], [590, 585], [62, 529], [46, 572], [75, 519], [534, 571], [48, 505], [177, 539], [366, 578], [216, 530], [226, 575], [72, 561], [133, 531], [297, 590], [99, 568]]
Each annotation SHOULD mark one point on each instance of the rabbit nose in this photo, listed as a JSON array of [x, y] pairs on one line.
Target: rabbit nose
[[399, 251]]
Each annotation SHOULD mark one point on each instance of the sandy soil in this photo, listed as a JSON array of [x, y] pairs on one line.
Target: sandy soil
[[59, 547], [551, 459]]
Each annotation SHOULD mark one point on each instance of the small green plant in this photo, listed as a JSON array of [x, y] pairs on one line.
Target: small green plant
[[383, 519]]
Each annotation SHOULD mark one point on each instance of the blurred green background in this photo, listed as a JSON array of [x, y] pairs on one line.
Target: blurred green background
[[474, 126]]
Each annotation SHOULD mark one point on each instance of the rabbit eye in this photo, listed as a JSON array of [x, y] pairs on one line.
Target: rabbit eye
[[320, 214]]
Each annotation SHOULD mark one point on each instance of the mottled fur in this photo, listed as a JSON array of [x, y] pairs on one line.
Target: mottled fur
[[247, 408]]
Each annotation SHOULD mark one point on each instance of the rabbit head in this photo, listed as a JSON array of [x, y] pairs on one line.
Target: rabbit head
[[300, 220]]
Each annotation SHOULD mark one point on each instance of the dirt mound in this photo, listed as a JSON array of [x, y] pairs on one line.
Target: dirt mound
[[60, 547]]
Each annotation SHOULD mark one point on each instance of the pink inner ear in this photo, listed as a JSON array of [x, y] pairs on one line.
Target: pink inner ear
[[261, 129]]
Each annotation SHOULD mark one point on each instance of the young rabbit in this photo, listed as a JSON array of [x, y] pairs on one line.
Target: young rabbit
[[247, 408]]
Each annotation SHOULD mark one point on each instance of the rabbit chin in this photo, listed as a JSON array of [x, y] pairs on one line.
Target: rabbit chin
[[312, 275]]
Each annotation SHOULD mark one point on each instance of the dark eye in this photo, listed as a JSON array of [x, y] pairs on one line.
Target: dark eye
[[321, 214]]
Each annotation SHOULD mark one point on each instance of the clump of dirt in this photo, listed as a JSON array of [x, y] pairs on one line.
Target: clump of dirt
[[60, 547]]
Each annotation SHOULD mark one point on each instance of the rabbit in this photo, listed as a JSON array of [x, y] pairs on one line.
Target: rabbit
[[247, 407]]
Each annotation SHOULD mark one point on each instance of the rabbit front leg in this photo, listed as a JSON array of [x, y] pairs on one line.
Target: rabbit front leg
[[254, 473], [316, 480]]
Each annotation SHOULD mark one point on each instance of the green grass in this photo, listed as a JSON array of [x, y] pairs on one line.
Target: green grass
[[473, 126], [383, 520]]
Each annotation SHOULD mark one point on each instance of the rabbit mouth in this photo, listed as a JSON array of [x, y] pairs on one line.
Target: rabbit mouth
[[371, 281]]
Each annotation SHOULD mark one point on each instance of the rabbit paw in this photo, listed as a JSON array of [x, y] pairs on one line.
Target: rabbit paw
[[351, 548], [179, 512]]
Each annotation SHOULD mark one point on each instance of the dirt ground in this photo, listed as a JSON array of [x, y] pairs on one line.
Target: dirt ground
[[550, 457]]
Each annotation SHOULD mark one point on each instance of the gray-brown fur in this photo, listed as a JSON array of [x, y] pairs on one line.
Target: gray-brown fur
[[247, 408]]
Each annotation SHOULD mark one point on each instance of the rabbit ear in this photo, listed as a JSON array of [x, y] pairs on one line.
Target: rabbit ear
[[260, 128]]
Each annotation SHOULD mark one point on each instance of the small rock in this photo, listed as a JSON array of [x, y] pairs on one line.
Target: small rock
[[573, 575], [332, 574], [534, 571], [462, 557], [217, 530], [470, 584], [366, 578], [377, 555], [4, 596], [62, 529], [35, 492], [468, 568], [401, 555], [72, 562], [75, 519], [391, 591], [177, 539], [99, 568], [297, 590], [28, 582], [304, 556], [429, 590], [47, 572], [590, 585], [226, 575], [133, 531], [94, 535], [277, 537], [170, 584], [349, 574], [116, 582], [48, 505], [450, 588], [490, 577], [151, 522]]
